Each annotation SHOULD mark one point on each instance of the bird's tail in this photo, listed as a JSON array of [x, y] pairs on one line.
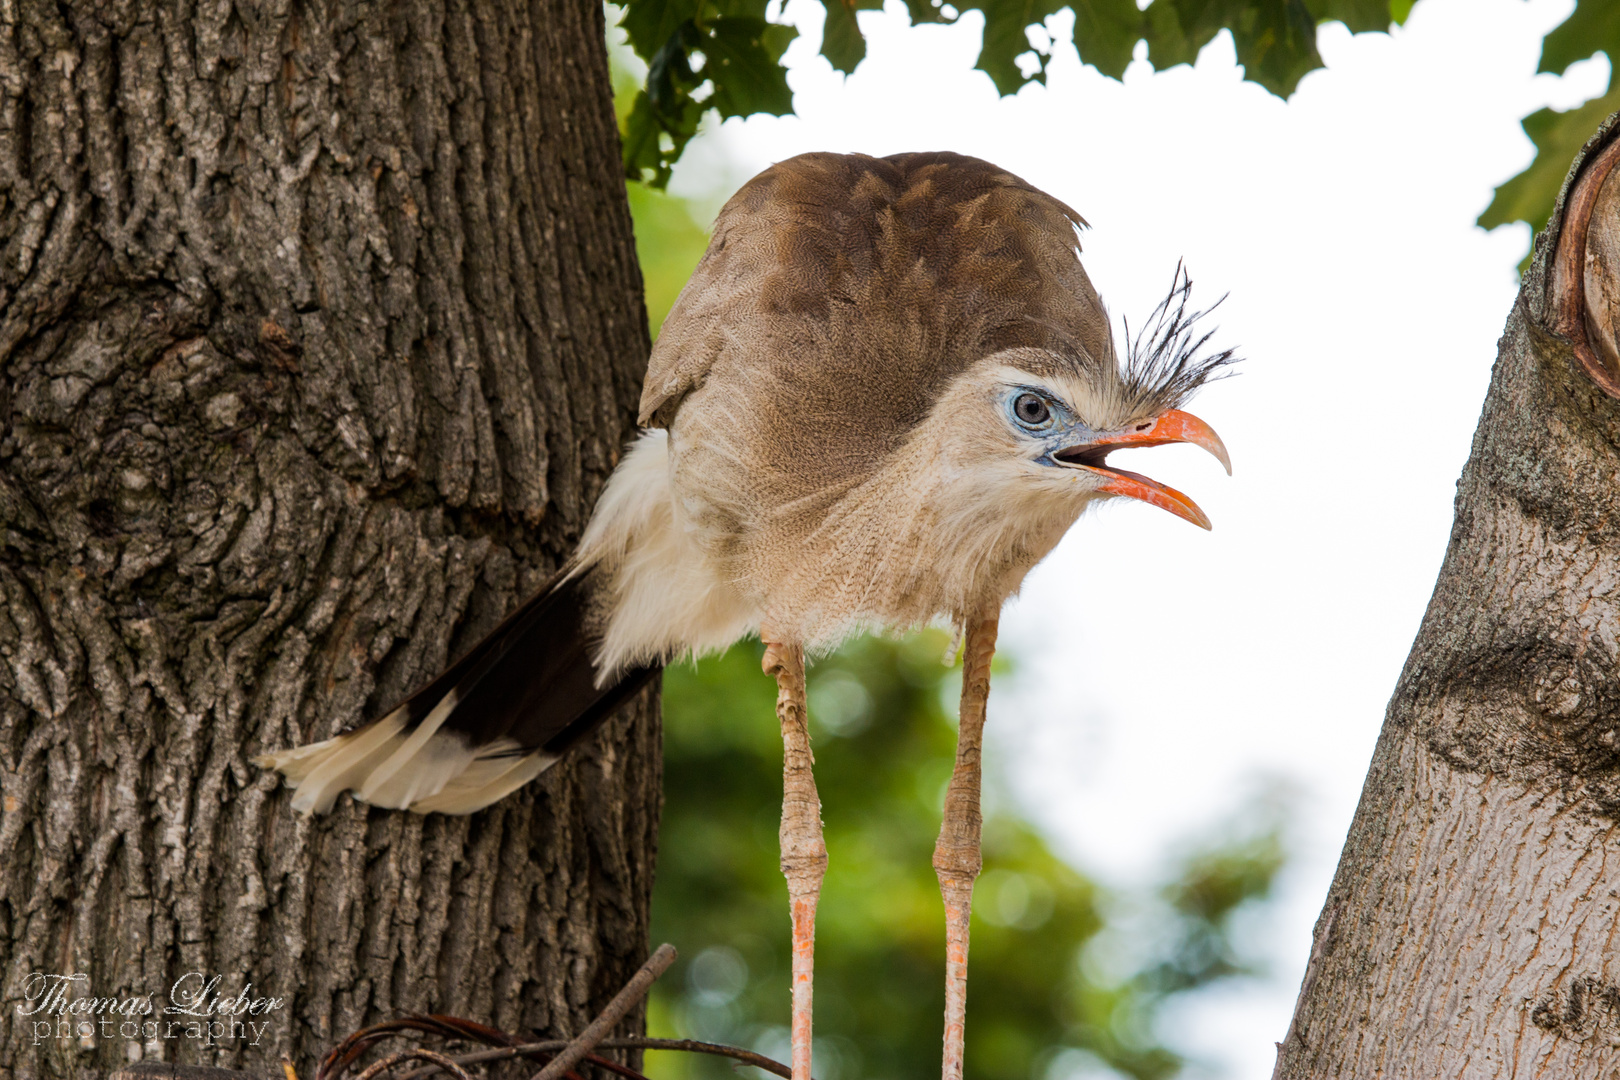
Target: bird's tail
[[491, 722]]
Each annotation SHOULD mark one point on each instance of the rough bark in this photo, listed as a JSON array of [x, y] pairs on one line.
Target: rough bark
[[1470, 930], [320, 330]]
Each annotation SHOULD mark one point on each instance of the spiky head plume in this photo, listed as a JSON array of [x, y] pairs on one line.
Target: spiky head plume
[[1166, 362]]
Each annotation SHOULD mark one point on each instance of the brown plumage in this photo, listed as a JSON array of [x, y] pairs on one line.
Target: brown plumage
[[886, 393], [895, 273], [823, 379]]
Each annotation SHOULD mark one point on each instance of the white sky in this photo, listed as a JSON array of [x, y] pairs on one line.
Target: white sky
[[1166, 673]]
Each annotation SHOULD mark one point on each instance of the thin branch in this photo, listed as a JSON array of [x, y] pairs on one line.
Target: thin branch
[[613, 1067], [418, 1054], [508, 1047], [622, 1002], [550, 1046], [345, 1053], [697, 1046], [340, 1057]]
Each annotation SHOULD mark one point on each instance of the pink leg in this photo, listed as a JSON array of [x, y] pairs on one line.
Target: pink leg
[[957, 858], [804, 853]]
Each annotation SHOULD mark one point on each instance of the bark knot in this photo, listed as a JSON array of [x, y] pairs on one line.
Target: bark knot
[[1588, 1006]]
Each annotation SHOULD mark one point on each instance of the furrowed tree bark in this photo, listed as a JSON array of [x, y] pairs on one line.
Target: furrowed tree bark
[[320, 330], [1471, 928]]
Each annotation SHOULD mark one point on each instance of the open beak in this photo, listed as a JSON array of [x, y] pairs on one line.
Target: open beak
[[1174, 426]]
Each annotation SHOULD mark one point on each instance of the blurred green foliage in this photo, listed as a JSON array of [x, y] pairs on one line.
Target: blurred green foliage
[[668, 243], [669, 239], [885, 740]]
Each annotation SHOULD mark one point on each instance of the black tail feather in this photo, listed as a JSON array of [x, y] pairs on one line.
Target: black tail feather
[[531, 679], [488, 724]]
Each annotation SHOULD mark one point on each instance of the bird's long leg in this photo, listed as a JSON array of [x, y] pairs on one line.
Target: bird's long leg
[[956, 856], [804, 852]]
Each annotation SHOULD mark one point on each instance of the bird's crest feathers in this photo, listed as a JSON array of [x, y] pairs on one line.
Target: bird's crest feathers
[[1166, 362]]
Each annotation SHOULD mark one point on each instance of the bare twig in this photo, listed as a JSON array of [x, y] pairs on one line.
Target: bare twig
[[613, 1067], [622, 1002], [549, 1046], [415, 1055], [697, 1046], [345, 1053]]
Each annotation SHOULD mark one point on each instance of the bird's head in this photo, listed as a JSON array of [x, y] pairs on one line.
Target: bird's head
[[1060, 435], [1032, 428]]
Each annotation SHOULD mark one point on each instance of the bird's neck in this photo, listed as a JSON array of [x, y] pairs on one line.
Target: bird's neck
[[926, 535]]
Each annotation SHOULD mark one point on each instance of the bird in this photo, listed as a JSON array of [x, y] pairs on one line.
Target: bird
[[887, 391]]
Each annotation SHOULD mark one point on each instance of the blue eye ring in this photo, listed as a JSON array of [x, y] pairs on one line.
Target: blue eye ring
[[1031, 410]]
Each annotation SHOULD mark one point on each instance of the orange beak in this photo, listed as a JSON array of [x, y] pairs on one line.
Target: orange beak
[[1174, 426]]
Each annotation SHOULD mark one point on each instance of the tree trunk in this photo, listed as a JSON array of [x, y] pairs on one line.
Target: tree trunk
[[320, 330], [1471, 927]]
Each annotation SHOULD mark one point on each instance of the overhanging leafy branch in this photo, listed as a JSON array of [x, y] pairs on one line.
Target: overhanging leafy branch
[[726, 55], [701, 55]]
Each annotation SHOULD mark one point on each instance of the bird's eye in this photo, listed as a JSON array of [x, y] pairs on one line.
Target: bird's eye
[[1031, 409]]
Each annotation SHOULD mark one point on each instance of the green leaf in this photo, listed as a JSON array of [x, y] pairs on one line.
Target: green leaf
[[670, 78], [1170, 41], [1275, 39], [649, 24], [744, 64], [745, 9], [644, 154], [1005, 40], [842, 42], [1106, 33], [927, 11], [665, 110], [640, 138], [1276, 44], [1594, 26], [1558, 136], [1358, 16], [742, 56]]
